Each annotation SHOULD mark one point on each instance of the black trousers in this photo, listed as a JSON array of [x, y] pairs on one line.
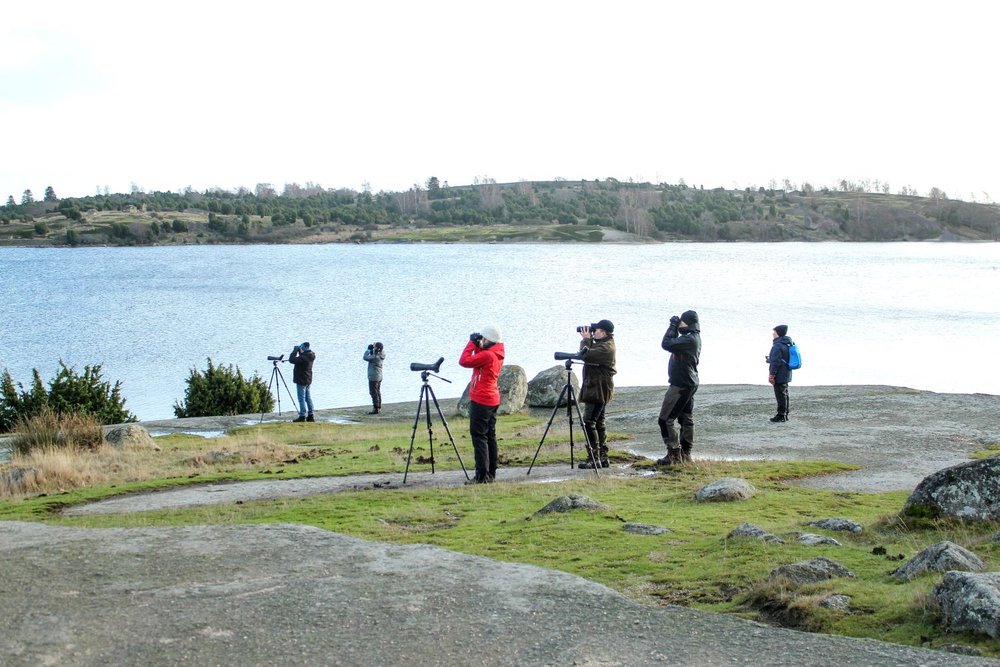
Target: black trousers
[[678, 405], [781, 395], [375, 391], [593, 421], [483, 429]]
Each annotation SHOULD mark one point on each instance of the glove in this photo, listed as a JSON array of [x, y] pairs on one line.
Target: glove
[[371, 348], [675, 320]]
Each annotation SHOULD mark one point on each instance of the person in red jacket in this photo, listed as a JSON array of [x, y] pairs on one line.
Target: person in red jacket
[[484, 354]]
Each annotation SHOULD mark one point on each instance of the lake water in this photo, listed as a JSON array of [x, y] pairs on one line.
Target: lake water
[[921, 315]]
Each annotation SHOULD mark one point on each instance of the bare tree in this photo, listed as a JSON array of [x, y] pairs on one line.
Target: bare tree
[[264, 190]]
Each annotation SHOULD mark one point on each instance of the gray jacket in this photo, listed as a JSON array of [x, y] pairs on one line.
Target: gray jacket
[[374, 360]]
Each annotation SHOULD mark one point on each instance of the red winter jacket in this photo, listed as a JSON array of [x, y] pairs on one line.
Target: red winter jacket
[[485, 365]]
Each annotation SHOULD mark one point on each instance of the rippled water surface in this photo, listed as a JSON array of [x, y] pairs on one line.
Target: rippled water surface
[[921, 315]]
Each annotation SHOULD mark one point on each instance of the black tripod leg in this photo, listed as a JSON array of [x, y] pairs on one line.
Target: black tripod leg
[[565, 388], [413, 435], [448, 431], [430, 429], [287, 390], [586, 436], [269, 383]]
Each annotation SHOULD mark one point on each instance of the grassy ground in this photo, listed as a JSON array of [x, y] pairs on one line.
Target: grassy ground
[[694, 565]]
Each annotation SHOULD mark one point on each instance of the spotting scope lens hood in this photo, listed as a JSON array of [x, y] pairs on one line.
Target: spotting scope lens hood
[[434, 368]]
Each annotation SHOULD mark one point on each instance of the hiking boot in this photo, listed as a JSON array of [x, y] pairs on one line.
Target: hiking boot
[[673, 458], [374, 411], [477, 480], [310, 418], [588, 465], [779, 418], [605, 463], [300, 418]]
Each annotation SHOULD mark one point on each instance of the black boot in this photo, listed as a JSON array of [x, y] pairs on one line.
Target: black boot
[[779, 418], [673, 458]]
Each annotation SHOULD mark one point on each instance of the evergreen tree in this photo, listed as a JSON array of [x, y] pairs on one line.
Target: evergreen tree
[[50, 194]]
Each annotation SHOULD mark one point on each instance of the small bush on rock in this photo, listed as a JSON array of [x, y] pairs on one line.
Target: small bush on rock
[[222, 390], [68, 393]]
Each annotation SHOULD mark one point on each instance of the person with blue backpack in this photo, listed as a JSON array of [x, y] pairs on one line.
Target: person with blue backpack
[[779, 372]]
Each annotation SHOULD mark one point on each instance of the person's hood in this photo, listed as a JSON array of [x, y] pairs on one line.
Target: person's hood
[[785, 340], [497, 349]]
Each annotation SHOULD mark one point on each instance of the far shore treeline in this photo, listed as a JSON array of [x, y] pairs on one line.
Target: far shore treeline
[[556, 210]]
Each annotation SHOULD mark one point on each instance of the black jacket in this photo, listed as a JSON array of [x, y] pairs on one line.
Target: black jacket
[[777, 360], [303, 363], [598, 370], [684, 346]]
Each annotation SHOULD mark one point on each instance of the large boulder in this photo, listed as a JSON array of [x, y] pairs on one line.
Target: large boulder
[[940, 557], [970, 601], [513, 386], [129, 436], [810, 571], [545, 388], [726, 489], [968, 491]]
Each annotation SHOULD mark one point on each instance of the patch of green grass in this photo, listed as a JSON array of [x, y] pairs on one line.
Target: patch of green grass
[[693, 565], [987, 452]]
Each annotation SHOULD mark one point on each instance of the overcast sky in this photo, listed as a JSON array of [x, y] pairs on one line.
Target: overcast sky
[[207, 94]]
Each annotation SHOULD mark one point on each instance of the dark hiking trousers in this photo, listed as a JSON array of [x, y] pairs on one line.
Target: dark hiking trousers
[[593, 422], [483, 429], [678, 405], [781, 395]]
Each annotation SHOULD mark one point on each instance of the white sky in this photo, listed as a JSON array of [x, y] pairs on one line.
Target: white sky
[[718, 93]]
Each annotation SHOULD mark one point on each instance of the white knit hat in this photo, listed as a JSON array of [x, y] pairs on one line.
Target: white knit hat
[[490, 332]]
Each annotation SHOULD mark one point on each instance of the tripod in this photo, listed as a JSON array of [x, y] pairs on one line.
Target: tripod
[[426, 396], [571, 403], [276, 373]]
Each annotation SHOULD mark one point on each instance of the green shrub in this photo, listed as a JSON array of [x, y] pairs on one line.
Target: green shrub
[[68, 393], [50, 430], [221, 390]]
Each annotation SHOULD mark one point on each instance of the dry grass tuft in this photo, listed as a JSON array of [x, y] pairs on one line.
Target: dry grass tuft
[[56, 469], [50, 430]]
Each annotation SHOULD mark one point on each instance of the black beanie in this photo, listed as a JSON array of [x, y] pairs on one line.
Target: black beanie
[[689, 317], [781, 329]]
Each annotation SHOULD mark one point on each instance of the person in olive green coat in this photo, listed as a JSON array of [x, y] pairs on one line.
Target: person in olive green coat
[[597, 350]]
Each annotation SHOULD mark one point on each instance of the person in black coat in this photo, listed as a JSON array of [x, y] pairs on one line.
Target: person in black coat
[[778, 372], [302, 359], [683, 341]]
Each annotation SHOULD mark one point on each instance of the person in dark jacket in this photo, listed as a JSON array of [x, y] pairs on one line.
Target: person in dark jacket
[[302, 359], [597, 349], [778, 372], [375, 355], [683, 341], [484, 354]]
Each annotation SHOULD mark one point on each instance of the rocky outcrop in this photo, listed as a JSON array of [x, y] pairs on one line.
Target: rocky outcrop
[[129, 436], [572, 502], [841, 525], [726, 489], [970, 601], [513, 386], [837, 602], [814, 540], [753, 532], [968, 491], [810, 571], [940, 557], [544, 389], [645, 529]]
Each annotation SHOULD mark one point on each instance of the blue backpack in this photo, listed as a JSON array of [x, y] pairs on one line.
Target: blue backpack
[[794, 358]]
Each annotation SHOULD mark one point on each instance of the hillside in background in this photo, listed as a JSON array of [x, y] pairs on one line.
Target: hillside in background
[[489, 211]]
